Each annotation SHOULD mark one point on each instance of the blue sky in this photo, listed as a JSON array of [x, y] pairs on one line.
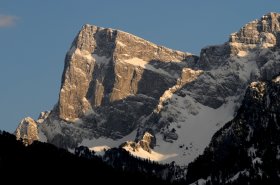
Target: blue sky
[[35, 35]]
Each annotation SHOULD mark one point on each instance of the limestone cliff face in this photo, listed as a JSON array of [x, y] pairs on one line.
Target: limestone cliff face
[[105, 66], [260, 31], [31, 130], [112, 78]]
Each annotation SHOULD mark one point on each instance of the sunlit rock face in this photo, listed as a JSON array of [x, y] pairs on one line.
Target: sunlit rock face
[[146, 144], [27, 130], [106, 66], [112, 78]]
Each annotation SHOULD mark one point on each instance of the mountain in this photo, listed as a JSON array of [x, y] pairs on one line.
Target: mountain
[[120, 90], [247, 149]]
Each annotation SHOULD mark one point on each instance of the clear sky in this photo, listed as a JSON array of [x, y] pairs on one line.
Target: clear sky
[[35, 35]]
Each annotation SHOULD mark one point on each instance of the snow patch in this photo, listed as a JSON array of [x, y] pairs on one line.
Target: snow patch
[[276, 80], [257, 160], [102, 142], [121, 44], [199, 182], [154, 156], [42, 136], [144, 64], [242, 53], [101, 60], [252, 151], [81, 53], [235, 177], [100, 150], [71, 150]]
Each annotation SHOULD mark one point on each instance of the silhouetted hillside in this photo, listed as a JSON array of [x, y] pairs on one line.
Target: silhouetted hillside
[[48, 163]]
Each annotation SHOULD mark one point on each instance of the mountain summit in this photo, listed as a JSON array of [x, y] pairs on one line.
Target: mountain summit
[[117, 89], [105, 67]]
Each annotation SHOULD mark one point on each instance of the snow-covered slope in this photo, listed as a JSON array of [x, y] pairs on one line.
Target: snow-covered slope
[[246, 149], [194, 131], [191, 115], [116, 87]]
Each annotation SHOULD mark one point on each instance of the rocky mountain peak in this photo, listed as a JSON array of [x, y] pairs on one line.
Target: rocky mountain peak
[[255, 35], [106, 65], [27, 130], [146, 144], [264, 30]]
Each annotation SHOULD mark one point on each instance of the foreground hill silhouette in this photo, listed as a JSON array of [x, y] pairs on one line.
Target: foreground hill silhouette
[[48, 163]]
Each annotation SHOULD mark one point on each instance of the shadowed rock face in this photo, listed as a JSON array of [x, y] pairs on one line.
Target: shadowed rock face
[[223, 64]]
